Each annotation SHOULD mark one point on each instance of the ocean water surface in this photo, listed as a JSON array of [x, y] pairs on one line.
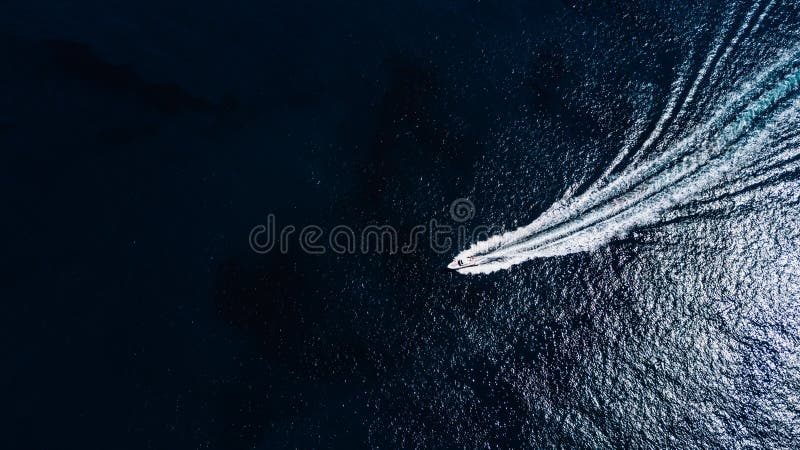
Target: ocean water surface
[[635, 163]]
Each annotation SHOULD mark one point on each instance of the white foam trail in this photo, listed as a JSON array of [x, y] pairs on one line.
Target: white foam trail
[[708, 64], [569, 208], [666, 117], [676, 106], [774, 160], [704, 161], [761, 17], [746, 23]]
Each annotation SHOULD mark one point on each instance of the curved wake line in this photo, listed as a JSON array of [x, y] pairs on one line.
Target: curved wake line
[[748, 139]]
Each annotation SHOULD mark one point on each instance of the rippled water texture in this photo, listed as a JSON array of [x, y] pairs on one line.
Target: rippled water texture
[[671, 316]]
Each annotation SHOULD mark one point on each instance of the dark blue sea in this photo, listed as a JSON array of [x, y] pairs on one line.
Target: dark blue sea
[[186, 191]]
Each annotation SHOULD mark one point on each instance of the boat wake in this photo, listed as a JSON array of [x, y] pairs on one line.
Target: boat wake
[[750, 136]]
